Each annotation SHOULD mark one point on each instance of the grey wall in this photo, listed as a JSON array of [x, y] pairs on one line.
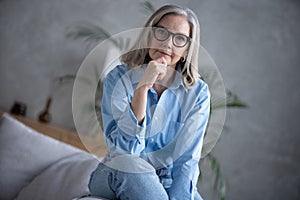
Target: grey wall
[[255, 44]]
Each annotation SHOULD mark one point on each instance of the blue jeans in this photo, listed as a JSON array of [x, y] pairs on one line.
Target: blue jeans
[[113, 184]]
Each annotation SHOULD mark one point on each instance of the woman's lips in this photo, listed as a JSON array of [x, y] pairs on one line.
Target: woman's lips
[[164, 53]]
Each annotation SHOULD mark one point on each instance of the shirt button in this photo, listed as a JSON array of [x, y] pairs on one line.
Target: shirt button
[[155, 118], [151, 140]]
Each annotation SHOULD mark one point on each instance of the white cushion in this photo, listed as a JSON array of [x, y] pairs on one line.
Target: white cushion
[[25, 153], [66, 179]]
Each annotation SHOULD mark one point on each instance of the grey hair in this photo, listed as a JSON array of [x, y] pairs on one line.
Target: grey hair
[[138, 54]]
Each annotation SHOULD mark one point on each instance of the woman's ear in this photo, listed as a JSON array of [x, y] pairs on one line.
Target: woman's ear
[[183, 58]]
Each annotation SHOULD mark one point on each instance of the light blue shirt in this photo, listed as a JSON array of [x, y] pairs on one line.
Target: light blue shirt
[[171, 135]]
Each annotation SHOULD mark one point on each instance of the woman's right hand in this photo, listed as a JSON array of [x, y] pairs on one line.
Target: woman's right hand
[[155, 71]]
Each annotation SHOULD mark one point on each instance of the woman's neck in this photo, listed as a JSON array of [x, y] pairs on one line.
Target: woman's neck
[[159, 89]]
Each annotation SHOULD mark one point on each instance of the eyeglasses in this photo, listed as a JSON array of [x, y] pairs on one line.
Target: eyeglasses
[[178, 39]]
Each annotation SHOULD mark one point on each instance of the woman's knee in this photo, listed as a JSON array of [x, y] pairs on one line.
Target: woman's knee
[[99, 184], [142, 186]]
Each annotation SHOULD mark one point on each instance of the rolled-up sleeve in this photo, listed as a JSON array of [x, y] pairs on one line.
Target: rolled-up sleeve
[[122, 132]]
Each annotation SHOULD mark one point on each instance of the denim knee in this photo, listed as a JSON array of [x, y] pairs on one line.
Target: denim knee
[[114, 184], [99, 183], [138, 186]]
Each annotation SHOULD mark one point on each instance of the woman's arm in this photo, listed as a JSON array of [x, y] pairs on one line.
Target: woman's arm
[[122, 132], [139, 102], [122, 116], [185, 168], [156, 70]]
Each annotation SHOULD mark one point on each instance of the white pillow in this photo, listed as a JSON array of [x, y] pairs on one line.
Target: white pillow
[[66, 179], [25, 153]]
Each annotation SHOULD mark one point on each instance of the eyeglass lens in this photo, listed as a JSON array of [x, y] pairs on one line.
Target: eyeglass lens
[[163, 34]]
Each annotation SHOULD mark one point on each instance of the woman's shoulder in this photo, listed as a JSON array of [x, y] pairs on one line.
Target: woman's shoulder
[[200, 89], [116, 73], [201, 85], [118, 70], [123, 71]]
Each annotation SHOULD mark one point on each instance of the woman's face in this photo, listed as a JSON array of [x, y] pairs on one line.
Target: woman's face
[[172, 54]]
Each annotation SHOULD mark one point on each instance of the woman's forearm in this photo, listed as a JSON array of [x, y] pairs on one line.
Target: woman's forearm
[[156, 70], [138, 103]]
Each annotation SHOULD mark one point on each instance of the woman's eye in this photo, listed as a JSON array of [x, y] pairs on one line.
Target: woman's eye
[[162, 32], [180, 38]]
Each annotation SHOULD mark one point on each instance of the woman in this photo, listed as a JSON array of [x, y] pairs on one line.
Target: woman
[[155, 108]]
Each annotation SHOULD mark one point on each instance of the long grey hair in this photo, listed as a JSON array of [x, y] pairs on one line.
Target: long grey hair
[[138, 54]]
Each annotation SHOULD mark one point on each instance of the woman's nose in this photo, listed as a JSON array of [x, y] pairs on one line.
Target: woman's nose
[[168, 42]]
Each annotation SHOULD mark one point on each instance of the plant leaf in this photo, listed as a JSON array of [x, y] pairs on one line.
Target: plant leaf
[[148, 6], [92, 33], [232, 100], [219, 180]]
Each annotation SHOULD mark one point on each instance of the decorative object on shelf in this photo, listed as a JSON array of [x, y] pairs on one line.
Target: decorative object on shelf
[[45, 115], [19, 108]]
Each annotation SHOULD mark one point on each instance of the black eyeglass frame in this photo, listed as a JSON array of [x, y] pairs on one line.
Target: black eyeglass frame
[[173, 36]]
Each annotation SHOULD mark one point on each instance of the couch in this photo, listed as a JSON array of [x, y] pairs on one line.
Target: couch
[[36, 166]]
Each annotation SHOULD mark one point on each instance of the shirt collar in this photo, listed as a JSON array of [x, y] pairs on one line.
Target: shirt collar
[[178, 79]]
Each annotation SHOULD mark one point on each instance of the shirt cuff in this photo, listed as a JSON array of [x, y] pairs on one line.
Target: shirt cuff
[[129, 124]]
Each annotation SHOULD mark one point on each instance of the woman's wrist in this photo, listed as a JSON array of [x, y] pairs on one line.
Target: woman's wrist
[[143, 88], [138, 103]]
